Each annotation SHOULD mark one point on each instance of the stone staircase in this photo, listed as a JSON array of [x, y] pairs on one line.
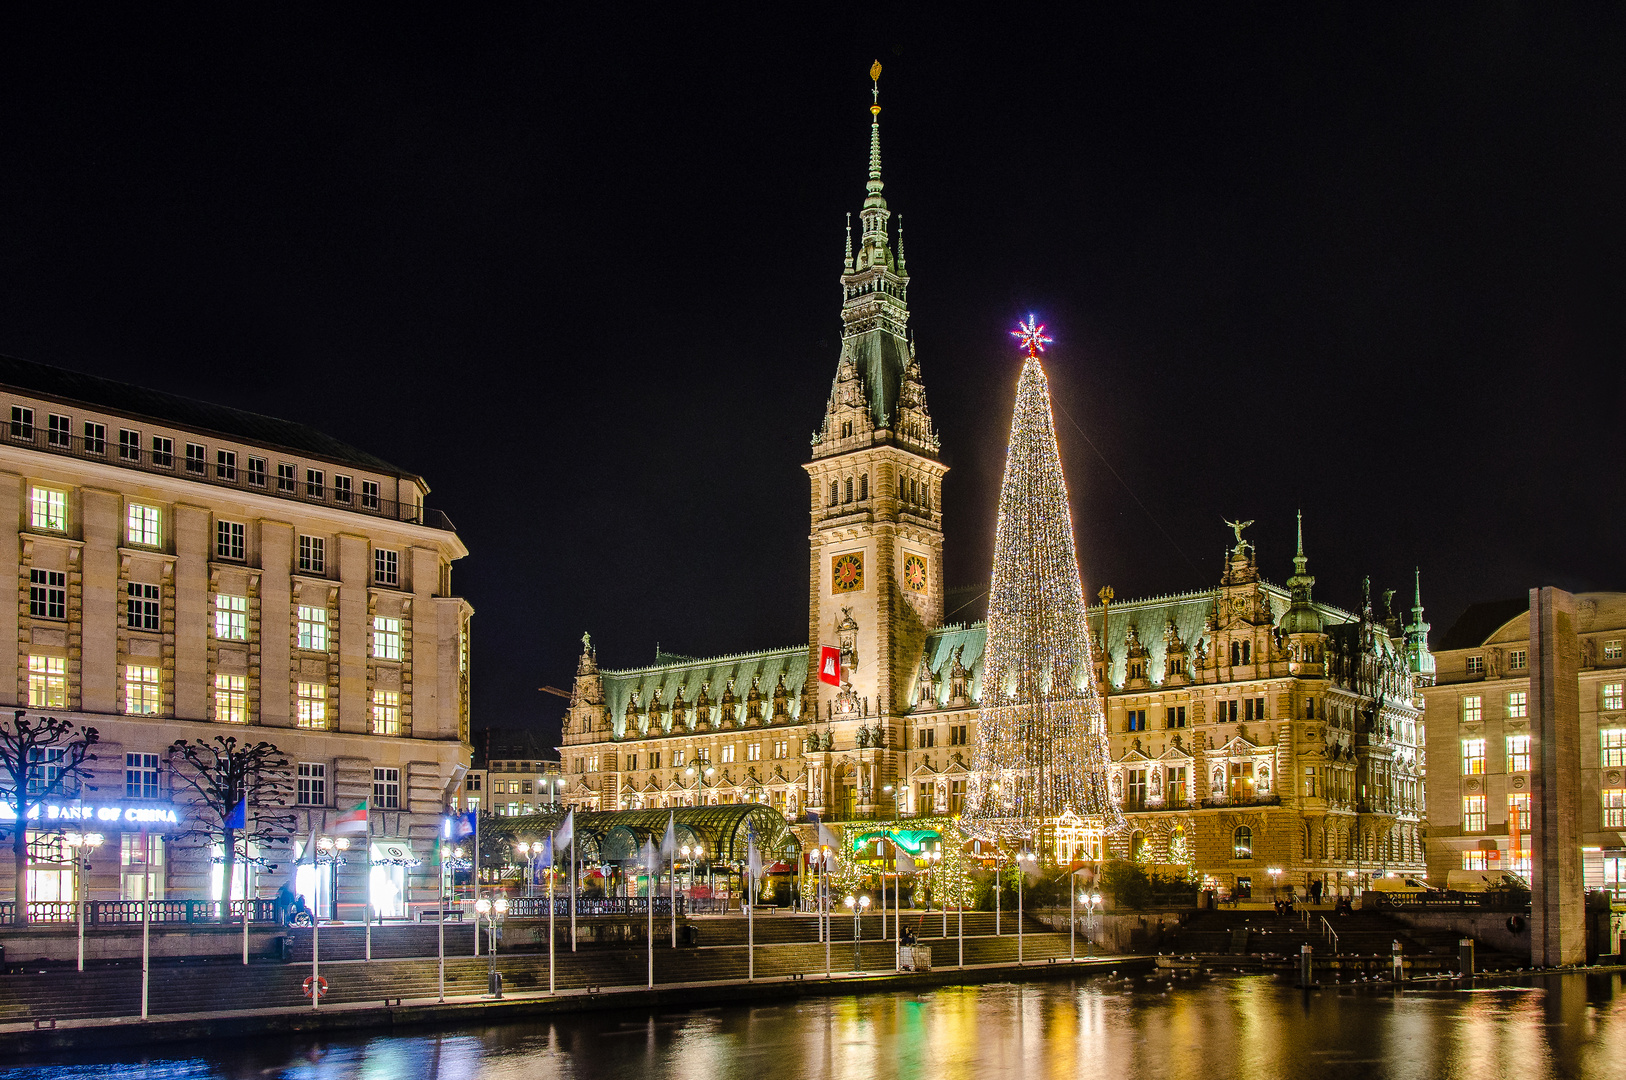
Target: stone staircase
[[1359, 934], [786, 945]]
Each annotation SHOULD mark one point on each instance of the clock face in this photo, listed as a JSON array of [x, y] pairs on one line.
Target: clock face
[[914, 573], [847, 572]]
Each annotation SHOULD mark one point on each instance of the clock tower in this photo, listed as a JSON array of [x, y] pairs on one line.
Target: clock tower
[[875, 576]]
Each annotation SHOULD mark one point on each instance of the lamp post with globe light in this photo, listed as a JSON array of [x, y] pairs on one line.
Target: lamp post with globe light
[[857, 905], [82, 844], [701, 772], [1025, 860]]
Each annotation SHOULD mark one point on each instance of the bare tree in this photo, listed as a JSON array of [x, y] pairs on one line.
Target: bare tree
[[223, 775], [36, 765]]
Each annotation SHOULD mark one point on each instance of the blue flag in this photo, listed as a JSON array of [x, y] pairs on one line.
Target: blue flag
[[464, 824], [546, 859], [238, 818]]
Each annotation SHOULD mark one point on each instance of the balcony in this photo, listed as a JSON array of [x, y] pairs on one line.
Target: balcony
[[237, 477]]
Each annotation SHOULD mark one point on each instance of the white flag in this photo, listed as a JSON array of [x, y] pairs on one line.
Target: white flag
[[827, 837], [669, 841], [753, 859], [652, 858], [566, 833], [905, 862]]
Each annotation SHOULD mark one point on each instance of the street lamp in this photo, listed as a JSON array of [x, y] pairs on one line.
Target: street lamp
[[700, 777], [691, 854], [857, 905], [492, 911], [822, 859], [529, 852], [1092, 901], [1275, 873], [82, 844]]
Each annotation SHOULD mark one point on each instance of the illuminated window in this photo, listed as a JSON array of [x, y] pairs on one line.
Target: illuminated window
[[1518, 753], [48, 509], [1518, 811], [313, 628], [1176, 791], [229, 540], [1475, 860], [231, 699], [1612, 746], [753, 752], [141, 525], [1613, 694], [142, 606], [1473, 708], [1473, 813], [141, 776], [728, 754], [45, 769], [1614, 808], [311, 703], [47, 594], [231, 617], [47, 682], [1473, 756], [1612, 650], [140, 690], [386, 712], [1242, 843], [1518, 704], [386, 638]]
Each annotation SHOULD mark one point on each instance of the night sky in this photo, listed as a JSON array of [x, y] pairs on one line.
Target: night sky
[[584, 279]]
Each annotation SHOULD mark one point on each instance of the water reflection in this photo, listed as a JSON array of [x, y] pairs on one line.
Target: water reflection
[[1570, 1026]]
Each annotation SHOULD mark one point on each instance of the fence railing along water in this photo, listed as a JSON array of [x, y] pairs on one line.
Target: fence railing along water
[[126, 912]]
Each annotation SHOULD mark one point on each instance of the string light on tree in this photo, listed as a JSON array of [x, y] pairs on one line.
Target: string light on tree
[[1042, 751]]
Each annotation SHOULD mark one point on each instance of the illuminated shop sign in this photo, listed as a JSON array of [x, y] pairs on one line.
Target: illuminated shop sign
[[144, 817]]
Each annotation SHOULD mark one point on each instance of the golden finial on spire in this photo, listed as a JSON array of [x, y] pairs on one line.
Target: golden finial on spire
[[875, 77]]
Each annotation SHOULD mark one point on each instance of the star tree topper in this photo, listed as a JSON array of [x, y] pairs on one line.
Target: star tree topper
[[1031, 336]]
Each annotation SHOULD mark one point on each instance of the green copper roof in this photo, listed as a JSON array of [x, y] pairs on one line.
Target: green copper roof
[[881, 357], [690, 675]]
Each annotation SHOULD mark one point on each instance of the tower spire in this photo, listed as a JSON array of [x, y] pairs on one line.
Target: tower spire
[[1301, 617], [1417, 654]]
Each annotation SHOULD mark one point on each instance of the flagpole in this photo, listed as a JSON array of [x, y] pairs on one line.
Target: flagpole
[[573, 883], [824, 890], [440, 915], [146, 919], [247, 867], [750, 930], [649, 903], [367, 887], [476, 865], [316, 944], [552, 858]]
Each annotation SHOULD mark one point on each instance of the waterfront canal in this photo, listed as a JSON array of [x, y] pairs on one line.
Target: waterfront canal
[[1254, 1027]]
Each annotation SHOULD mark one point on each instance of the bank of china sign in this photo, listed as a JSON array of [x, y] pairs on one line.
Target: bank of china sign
[[143, 817]]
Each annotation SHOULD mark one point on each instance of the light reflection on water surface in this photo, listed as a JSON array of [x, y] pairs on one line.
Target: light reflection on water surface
[[1571, 1026]]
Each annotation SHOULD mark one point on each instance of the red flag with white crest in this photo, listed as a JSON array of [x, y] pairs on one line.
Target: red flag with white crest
[[830, 665]]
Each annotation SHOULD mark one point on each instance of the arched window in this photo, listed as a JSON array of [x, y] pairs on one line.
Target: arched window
[[1137, 843], [914, 491], [1242, 843], [863, 487], [903, 489], [835, 493], [1247, 647], [925, 496], [1236, 653], [849, 497]]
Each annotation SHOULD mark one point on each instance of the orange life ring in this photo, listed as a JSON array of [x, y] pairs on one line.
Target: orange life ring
[[321, 985]]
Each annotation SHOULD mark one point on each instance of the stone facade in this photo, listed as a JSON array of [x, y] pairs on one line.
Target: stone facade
[[1479, 714], [1251, 727], [227, 573]]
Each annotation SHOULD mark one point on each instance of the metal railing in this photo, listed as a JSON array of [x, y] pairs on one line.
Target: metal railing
[[1328, 931], [536, 907], [237, 476], [127, 912]]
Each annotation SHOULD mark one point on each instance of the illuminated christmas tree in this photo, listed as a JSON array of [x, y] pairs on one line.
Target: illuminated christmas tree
[[1042, 746]]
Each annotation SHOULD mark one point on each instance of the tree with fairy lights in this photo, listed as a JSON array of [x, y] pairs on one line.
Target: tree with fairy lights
[[1042, 745]]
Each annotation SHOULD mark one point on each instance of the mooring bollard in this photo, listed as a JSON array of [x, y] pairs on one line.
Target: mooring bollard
[[1306, 968], [1399, 964], [1465, 956]]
